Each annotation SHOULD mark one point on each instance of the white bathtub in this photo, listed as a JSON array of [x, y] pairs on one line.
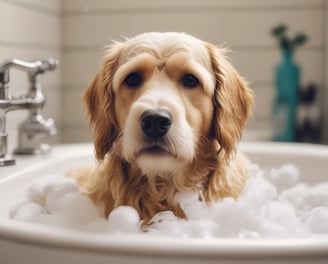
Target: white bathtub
[[27, 243]]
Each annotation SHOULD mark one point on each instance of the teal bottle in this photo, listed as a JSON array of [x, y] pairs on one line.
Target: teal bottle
[[287, 80]]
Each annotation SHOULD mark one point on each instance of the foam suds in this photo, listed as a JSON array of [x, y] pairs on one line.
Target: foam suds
[[274, 204]]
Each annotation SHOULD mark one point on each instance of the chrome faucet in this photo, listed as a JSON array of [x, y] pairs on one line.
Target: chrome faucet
[[35, 127]]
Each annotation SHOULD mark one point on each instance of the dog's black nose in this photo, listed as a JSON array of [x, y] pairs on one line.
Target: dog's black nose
[[156, 123]]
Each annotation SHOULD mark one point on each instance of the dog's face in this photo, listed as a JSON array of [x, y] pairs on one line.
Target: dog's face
[[159, 97]]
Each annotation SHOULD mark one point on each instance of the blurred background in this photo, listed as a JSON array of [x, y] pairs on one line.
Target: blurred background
[[75, 31]]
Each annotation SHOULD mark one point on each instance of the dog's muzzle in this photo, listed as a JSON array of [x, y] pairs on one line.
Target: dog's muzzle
[[155, 123]]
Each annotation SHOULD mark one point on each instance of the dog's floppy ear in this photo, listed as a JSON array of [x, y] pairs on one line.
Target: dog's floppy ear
[[233, 102], [99, 102]]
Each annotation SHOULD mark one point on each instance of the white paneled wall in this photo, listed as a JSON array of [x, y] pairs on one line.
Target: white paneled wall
[[325, 97], [30, 30], [76, 30], [244, 26]]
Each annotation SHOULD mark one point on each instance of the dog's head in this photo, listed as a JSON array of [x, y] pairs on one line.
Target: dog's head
[[158, 96]]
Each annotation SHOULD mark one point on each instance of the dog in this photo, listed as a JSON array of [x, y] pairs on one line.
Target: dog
[[167, 111]]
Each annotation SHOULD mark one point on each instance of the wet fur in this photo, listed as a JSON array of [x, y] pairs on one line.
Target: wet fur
[[209, 122]]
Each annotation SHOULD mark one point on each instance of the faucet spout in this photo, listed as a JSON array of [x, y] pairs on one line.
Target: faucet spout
[[33, 68], [39, 66], [35, 127]]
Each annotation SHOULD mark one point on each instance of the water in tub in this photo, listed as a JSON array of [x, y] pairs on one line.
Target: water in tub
[[275, 203]]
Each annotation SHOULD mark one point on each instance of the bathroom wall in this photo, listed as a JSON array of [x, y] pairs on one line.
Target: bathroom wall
[[89, 25], [30, 30], [325, 96], [75, 31]]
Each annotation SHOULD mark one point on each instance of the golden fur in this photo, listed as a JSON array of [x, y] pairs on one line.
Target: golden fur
[[200, 152]]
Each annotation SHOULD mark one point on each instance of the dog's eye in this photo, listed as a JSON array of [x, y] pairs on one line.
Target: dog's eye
[[189, 81], [133, 80]]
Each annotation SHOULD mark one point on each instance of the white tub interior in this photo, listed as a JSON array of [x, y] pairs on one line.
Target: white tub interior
[[40, 241]]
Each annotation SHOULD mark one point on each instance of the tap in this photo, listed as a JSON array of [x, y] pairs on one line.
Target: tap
[[36, 126]]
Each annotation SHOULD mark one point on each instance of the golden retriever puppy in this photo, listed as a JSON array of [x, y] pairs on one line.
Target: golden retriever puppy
[[167, 112]]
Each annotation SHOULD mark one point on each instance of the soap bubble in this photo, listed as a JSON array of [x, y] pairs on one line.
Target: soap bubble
[[124, 219], [274, 203], [318, 220], [192, 206], [27, 211], [284, 177]]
